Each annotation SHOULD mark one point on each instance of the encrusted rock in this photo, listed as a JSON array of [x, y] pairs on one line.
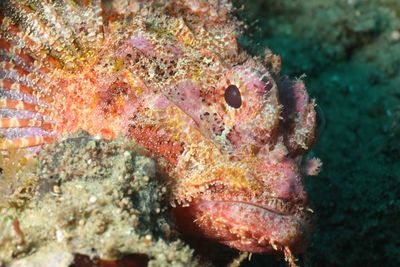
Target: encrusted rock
[[106, 202]]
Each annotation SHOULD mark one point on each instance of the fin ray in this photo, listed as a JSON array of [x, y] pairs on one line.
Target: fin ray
[[25, 123], [25, 142]]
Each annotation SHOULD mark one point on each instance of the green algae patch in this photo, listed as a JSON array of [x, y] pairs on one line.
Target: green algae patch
[[101, 199]]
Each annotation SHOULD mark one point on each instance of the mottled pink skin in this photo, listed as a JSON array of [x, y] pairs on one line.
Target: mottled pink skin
[[175, 50], [161, 102], [299, 115], [295, 97], [243, 218], [289, 188], [258, 227], [264, 134], [246, 220], [143, 44], [190, 93]]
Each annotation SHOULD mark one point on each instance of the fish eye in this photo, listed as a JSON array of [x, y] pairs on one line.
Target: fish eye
[[232, 96]]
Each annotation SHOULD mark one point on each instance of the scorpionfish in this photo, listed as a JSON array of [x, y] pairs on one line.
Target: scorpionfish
[[230, 133]]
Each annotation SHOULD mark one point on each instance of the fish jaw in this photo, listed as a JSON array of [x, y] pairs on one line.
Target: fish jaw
[[253, 204], [246, 226]]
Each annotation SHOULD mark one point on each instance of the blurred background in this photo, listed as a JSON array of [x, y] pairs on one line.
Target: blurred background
[[349, 51]]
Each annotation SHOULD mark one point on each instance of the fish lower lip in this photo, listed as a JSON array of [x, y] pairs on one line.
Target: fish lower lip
[[245, 225], [289, 210]]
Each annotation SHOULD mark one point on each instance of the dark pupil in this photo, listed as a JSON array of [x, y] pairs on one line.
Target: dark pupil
[[232, 96]]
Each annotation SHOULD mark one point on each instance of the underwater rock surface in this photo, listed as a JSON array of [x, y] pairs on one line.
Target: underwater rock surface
[[92, 197]]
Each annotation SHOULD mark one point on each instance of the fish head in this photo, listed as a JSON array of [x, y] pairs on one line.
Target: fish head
[[242, 179]]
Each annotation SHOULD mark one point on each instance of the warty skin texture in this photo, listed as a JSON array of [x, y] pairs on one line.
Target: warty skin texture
[[156, 72]]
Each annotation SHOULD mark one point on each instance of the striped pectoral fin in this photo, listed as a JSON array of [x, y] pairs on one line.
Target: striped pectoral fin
[[10, 85], [18, 132], [27, 33], [15, 51], [20, 88], [12, 104], [11, 39], [24, 123], [27, 17], [23, 56], [25, 142]]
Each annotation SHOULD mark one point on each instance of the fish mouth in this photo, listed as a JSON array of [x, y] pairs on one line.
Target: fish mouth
[[252, 226], [274, 205]]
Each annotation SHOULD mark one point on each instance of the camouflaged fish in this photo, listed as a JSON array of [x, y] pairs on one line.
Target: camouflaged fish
[[229, 131]]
